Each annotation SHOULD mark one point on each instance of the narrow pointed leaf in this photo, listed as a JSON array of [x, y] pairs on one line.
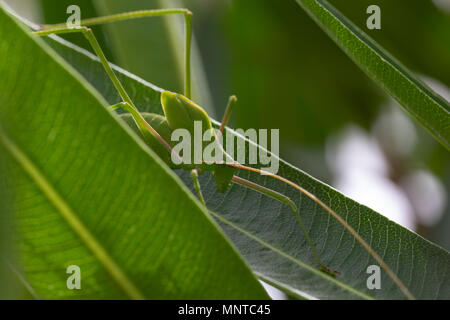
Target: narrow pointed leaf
[[87, 192], [427, 107]]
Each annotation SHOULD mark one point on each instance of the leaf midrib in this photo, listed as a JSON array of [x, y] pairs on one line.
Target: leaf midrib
[[99, 252]]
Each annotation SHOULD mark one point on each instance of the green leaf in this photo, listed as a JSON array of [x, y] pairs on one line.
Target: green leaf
[[266, 232], [403, 27], [428, 108], [87, 192]]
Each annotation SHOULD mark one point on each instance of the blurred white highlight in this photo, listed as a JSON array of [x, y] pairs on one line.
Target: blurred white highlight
[[361, 170], [444, 5]]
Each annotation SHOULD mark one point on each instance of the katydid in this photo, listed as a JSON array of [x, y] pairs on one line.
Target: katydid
[[181, 112]]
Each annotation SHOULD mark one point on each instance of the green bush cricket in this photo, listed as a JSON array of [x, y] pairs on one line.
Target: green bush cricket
[[180, 112]]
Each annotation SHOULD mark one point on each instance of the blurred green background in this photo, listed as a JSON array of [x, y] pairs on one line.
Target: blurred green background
[[334, 122]]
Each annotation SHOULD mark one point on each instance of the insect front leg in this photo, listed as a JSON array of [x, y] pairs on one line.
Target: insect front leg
[[127, 103], [89, 35], [62, 28]]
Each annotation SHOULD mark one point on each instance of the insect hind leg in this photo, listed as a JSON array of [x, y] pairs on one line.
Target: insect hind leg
[[287, 201]]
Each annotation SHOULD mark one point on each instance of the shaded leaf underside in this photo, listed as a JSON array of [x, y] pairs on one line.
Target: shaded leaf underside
[[266, 233]]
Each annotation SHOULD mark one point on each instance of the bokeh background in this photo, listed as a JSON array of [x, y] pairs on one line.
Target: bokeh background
[[334, 122]]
